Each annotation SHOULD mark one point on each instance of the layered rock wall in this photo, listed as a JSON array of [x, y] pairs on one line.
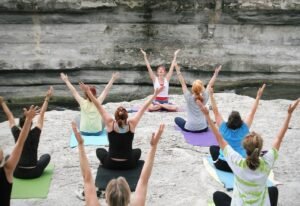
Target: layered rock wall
[[255, 40]]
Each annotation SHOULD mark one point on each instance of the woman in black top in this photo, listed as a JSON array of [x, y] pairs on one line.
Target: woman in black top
[[120, 133], [29, 166], [8, 165]]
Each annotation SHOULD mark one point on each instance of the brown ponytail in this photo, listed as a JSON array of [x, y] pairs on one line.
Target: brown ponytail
[[198, 89], [253, 144], [121, 116]]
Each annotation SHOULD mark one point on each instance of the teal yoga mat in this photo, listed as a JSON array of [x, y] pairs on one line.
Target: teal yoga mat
[[33, 188], [90, 140]]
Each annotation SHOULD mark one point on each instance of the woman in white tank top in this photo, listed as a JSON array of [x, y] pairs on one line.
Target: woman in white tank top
[[161, 80]]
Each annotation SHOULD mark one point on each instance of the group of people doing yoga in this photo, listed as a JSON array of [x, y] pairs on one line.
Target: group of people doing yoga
[[239, 150]]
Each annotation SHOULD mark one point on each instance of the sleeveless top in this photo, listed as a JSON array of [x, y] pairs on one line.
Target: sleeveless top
[[120, 144], [90, 118], [5, 189], [164, 94]]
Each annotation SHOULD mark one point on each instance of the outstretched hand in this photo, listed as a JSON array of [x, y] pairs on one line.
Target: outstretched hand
[[293, 106], [177, 67], [31, 112], [50, 92], [176, 52], [77, 134], [1, 99], [115, 75], [158, 90], [260, 91], [143, 52], [218, 69], [64, 77], [156, 136], [83, 87], [202, 107], [211, 90]]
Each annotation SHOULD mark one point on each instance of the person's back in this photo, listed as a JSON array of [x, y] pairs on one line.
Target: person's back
[[5, 188], [90, 119]]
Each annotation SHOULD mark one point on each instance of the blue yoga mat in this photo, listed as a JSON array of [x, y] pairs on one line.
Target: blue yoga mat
[[226, 178], [90, 140]]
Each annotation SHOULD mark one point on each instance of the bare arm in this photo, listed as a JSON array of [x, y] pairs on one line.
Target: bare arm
[[250, 117], [89, 185], [181, 79], [40, 122], [108, 86], [135, 119], [8, 113], [141, 188], [214, 77], [220, 139], [280, 136], [152, 75], [74, 92], [16, 153], [108, 120], [218, 116], [170, 73]]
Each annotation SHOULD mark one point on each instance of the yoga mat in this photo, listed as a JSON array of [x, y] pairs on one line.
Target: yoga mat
[[90, 140], [136, 109], [204, 139], [33, 188], [227, 178], [132, 176]]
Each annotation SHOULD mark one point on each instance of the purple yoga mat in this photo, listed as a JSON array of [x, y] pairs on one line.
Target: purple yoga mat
[[204, 139], [136, 109]]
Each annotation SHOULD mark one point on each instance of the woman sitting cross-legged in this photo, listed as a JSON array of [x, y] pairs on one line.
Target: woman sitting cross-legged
[[196, 121], [117, 191], [250, 172], [9, 163], [120, 132], [234, 130], [90, 119], [29, 166]]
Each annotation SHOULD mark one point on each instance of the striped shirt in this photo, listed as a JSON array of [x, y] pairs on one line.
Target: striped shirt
[[250, 186]]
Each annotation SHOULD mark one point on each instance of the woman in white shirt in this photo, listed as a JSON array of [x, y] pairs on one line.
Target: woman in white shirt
[[162, 79], [250, 173]]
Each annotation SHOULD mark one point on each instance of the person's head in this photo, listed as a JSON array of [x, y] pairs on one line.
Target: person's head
[[121, 116], [22, 121], [161, 71], [197, 89], [234, 120], [93, 91], [117, 192], [253, 144]]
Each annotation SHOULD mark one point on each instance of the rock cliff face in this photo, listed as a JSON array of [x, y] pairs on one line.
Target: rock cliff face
[[255, 40]]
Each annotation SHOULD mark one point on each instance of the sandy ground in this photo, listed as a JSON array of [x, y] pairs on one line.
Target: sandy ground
[[178, 176]]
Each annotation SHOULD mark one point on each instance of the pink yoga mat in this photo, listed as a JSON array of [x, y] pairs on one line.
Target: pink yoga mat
[[204, 139]]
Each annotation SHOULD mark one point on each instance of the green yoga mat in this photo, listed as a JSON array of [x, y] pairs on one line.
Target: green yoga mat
[[33, 188]]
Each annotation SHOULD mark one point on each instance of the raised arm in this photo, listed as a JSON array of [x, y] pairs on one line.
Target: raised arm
[[74, 92], [250, 116], [135, 119], [141, 188], [8, 113], [279, 138], [40, 122], [104, 93], [151, 73], [218, 116], [181, 79], [220, 139], [14, 157], [108, 120], [170, 72], [89, 184], [211, 83]]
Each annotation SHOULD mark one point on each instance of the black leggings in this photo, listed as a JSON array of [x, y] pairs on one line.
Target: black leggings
[[219, 164], [35, 172], [222, 199], [108, 163], [180, 122]]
